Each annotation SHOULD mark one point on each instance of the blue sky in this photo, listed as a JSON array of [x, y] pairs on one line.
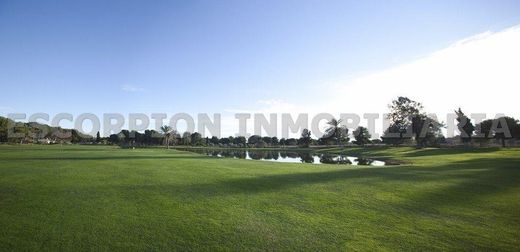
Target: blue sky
[[213, 56]]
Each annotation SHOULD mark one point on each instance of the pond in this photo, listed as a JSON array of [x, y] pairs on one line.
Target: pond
[[288, 156]]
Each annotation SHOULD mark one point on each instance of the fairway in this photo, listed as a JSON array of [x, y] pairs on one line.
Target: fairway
[[107, 198]]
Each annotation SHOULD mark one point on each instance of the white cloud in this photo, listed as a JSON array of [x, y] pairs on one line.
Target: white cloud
[[481, 74], [131, 88]]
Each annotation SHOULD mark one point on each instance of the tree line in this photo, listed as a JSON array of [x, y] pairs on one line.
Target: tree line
[[409, 124], [33, 132]]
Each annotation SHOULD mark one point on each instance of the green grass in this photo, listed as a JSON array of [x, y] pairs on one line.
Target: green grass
[[104, 198]]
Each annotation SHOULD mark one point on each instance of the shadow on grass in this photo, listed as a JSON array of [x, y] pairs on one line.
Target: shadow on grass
[[483, 177], [465, 181], [448, 151], [64, 148], [105, 158], [383, 153]]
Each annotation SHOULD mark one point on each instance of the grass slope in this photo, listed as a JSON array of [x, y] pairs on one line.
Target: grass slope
[[103, 198]]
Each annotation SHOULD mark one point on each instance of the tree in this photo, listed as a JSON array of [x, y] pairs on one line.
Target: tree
[[361, 135], [252, 140], [502, 128], [515, 131], [114, 139], [240, 141], [507, 129], [167, 133], [186, 138], [291, 142], [214, 140], [305, 139], [426, 130], [402, 110], [231, 139], [196, 138], [465, 126], [4, 122], [337, 131], [483, 131], [408, 120], [393, 135], [267, 140], [152, 137], [224, 141], [260, 144], [98, 137]]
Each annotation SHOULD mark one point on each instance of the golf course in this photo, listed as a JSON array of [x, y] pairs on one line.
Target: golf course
[[104, 198]]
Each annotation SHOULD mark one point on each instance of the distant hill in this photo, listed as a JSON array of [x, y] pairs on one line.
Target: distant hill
[[33, 132]]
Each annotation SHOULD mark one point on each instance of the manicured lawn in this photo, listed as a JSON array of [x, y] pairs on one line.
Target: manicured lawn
[[105, 198]]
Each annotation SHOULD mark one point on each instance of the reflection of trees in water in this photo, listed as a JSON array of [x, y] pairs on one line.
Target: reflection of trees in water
[[257, 155], [364, 161], [334, 159], [228, 154], [306, 157], [293, 154], [327, 159], [269, 155], [222, 153], [240, 154], [343, 160]]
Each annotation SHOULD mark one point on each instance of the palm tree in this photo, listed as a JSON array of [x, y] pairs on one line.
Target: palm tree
[[167, 130], [335, 129]]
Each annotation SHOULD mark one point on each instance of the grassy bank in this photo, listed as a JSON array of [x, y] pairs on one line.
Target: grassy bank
[[105, 198]]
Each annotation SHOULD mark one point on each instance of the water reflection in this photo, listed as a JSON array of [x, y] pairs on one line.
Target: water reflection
[[334, 159], [289, 156]]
